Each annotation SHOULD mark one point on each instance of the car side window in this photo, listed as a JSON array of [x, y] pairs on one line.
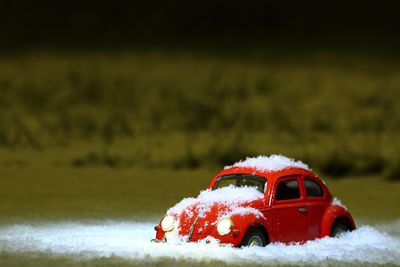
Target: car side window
[[287, 189], [313, 189]]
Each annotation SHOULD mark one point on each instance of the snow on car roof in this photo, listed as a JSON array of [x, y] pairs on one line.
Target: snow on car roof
[[268, 164]]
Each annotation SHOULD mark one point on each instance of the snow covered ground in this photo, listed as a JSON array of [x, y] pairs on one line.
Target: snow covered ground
[[130, 241]]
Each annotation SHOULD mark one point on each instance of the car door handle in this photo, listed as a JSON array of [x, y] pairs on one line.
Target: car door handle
[[303, 209]]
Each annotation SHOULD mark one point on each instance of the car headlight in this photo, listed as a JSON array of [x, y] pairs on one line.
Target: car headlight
[[224, 226], [168, 223]]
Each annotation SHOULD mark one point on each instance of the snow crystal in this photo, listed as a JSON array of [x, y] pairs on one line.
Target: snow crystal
[[337, 202], [271, 163]]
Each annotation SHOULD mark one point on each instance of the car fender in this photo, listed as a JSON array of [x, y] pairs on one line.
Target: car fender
[[241, 223], [331, 214]]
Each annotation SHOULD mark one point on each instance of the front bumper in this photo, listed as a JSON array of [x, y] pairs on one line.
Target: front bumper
[[208, 240], [157, 241]]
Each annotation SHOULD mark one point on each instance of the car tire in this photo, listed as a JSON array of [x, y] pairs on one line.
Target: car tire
[[338, 229], [253, 237]]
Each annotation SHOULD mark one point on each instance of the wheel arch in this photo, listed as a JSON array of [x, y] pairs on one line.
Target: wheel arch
[[335, 214], [263, 230], [251, 228], [253, 222], [344, 221]]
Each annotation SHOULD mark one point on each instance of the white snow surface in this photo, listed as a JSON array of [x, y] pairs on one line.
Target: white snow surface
[[231, 197], [130, 241], [271, 163]]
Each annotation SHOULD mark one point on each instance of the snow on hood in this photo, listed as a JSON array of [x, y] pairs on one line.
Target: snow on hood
[[271, 163], [231, 197]]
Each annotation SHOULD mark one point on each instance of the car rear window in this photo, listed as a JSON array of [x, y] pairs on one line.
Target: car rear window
[[287, 189], [241, 180], [313, 189]]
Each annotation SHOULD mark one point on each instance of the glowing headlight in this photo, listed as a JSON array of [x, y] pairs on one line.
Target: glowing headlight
[[167, 224], [224, 226]]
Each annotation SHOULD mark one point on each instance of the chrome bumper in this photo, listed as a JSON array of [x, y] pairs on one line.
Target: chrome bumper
[[207, 242]]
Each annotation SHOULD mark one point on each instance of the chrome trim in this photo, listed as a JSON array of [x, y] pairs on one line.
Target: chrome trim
[[192, 227], [157, 241]]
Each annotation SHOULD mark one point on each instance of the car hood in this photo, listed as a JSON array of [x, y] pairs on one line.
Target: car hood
[[204, 212]]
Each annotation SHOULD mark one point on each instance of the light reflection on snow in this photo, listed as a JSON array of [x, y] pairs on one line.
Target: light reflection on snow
[[131, 240]]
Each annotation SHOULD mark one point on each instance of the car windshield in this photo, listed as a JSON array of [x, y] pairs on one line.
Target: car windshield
[[241, 180]]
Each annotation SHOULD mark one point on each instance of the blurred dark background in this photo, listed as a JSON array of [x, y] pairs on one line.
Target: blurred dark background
[[118, 109], [121, 22], [194, 84]]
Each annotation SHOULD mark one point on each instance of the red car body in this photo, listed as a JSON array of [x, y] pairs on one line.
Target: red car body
[[277, 216]]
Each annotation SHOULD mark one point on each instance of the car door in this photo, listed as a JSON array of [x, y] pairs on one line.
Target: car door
[[289, 210], [316, 205]]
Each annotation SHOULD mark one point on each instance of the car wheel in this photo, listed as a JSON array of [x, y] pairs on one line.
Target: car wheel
[[338, 229], [253, 237]]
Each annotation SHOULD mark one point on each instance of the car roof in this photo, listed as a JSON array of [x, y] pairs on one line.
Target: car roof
[[272, 167], [271, 163], [269, 166], [272, 175]]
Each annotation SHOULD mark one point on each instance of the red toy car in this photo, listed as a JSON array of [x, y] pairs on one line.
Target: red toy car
[[255, 202]]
